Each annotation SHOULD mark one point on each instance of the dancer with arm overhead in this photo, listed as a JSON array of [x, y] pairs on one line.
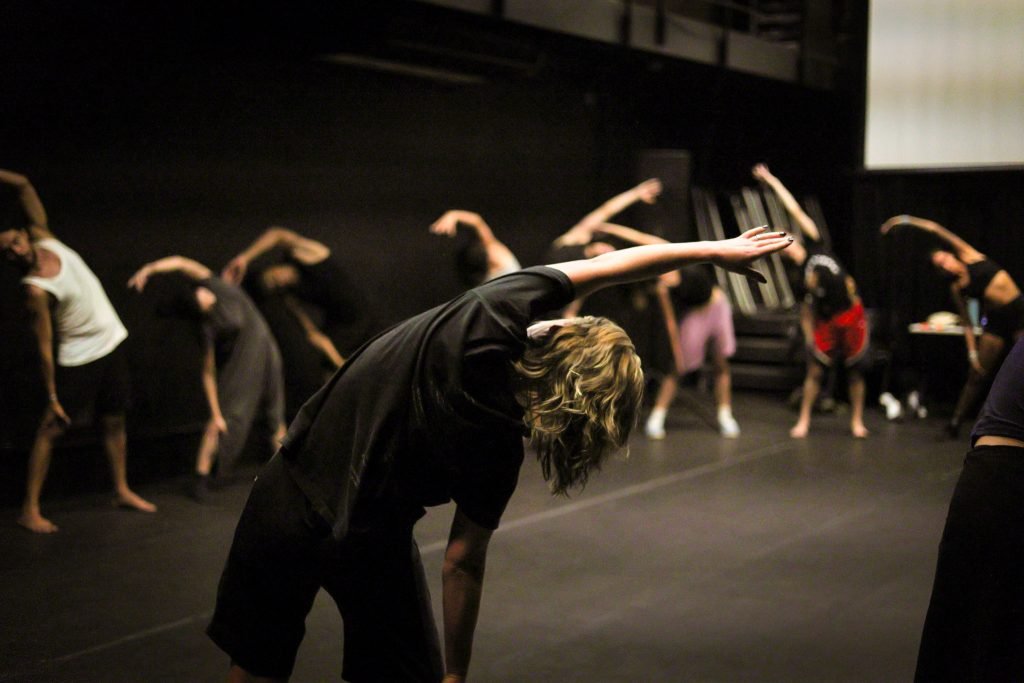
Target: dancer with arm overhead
[[431, 411], [831, 316], [247, 367], [316, 312], [972, 274], [706, 316], [481, 258], [88, 381]]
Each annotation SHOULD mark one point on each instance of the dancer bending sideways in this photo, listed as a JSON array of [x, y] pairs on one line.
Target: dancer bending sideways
[[705, 317], [483, 256], [242, 376], [974, 630], [88, 381], [831, 316], [974, 275], [431, 411]]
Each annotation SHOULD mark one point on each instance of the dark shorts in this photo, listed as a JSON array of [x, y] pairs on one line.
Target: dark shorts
[[283, 553], [843, 336], [98, 389], [974, 630]]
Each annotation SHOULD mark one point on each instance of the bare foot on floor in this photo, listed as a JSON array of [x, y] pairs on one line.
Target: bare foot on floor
[[799, 431], [129, 499], [859, 431], [36, 523]]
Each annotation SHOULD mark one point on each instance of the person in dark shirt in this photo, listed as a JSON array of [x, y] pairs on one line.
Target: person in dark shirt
[[974, 629], [242, 375], [434, 410], [316, 312], [831, 317], [974, 275]]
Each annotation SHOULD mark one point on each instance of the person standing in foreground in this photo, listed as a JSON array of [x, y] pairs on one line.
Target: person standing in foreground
[[431, 411], [974, 630], [89, 377]]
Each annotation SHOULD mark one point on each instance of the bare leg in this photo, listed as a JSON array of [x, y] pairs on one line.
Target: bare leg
[[856, 384], [115, 442], [812, 384], [655, 427], [237, 674], [723, 398], [207, 449], [38, 465]]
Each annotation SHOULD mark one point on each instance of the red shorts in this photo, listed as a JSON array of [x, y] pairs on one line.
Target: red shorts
[[844, 335]]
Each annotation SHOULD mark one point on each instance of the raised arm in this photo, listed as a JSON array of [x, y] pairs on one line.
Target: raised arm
[[647, 192], [796, 212], [649, 261], [964, 251], [462, 584], [302, 249], [499, 257], [168, 264], [30, 202]]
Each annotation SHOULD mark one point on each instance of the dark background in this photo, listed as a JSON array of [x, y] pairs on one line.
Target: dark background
[[189, 128]]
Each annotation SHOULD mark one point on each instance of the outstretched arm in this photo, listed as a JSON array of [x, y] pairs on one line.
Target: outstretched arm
[[580, 233], [649, 261], [964, 251], [796, 212], [499, 257], [462, 585], [30, 202], [168, 264], [302, 249]]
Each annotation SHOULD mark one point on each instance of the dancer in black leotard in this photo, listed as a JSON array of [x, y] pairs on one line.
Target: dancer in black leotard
[[974, 275]]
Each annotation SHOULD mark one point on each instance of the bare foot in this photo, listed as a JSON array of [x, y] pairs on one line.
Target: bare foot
[[799, 431], [859, 431], [36, 523], [129, 499]]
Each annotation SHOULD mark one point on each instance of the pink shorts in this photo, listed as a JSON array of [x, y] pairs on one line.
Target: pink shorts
[[713, 321]]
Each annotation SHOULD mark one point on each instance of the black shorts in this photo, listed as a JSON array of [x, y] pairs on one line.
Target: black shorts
[[283, 553], [97, 389]]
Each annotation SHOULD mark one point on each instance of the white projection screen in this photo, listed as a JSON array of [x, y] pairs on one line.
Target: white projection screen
[[945, 84]]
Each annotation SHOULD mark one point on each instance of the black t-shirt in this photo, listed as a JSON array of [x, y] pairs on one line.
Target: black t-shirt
[[423, 413]]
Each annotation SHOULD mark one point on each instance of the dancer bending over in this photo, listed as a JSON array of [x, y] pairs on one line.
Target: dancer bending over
[[431, 411], [242, 372], [706, 316], [483, 256], [831, 316], [89, 378], [974, 275]]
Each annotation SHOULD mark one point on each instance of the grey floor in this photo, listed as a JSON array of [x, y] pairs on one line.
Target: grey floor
[[694, 559]]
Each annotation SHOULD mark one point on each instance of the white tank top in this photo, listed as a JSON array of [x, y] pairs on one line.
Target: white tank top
[[87, 324]]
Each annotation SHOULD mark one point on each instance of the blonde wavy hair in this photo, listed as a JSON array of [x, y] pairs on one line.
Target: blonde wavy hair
[[581, 391]]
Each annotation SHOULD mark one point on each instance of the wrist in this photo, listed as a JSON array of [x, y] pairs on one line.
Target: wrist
[[53, 397], [973, 354]]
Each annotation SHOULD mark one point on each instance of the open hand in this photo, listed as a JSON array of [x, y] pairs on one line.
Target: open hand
[[739, 253], [649, 190]]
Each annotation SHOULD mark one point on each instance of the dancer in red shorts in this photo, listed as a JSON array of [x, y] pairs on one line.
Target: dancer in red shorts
[[832, 315]]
